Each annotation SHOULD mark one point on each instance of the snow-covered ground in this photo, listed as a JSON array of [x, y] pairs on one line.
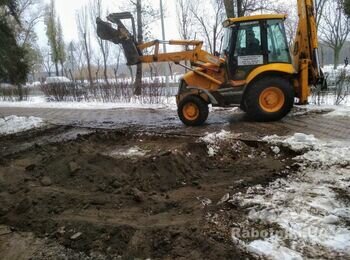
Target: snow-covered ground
[[213, 141], [340, 111], [41, 102], [15, 124], [309, 211]]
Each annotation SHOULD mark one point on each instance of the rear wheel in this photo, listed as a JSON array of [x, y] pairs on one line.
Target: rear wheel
[[270, 99], [193, 111]]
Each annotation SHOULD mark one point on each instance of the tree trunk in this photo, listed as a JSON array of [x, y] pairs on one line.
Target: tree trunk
[[104, 56], [322, 56], [105, 70], [336, 57], [56, 67], [20, 92], [230, 10], [240, 12], [88, 59], [62, 69], [138, 79]]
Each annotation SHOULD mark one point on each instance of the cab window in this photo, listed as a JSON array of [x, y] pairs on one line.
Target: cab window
[[277, 42], [249, 39]]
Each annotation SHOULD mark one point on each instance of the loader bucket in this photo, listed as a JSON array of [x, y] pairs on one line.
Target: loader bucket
[[121, 36]]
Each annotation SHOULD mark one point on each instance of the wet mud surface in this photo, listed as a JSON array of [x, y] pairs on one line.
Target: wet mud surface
[[70, 193]]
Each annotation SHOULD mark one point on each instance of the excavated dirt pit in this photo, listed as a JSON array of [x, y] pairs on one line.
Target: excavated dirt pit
[[125, 195]]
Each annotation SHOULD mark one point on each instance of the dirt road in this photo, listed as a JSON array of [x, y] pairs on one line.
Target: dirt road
[[105, 187], [164, 120]]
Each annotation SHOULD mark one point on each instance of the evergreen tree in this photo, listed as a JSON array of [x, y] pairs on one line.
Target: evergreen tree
[[61, 46], [13, 64], [347, 7], [55, 36]]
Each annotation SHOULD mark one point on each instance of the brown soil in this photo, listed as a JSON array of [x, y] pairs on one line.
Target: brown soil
[[85, 198]]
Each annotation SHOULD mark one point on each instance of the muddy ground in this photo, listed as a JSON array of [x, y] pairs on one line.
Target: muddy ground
[[69, 193]]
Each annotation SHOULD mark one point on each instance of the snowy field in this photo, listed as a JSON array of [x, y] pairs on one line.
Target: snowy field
[[15, 124]]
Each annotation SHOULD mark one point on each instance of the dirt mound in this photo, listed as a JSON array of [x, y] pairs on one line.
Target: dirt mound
[[132, 195]]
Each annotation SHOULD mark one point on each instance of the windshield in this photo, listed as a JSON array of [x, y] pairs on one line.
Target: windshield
[[277, 42], [226, 42]]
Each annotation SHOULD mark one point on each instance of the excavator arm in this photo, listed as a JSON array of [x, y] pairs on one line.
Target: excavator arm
[[134, 52], [305, 51]]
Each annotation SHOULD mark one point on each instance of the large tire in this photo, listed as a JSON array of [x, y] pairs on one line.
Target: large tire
[[269, 99], [193, 110]]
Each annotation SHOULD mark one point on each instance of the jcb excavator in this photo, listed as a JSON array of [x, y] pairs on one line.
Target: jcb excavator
[[255, 70]]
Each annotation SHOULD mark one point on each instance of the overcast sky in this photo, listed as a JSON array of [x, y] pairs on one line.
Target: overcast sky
[[66, 10]]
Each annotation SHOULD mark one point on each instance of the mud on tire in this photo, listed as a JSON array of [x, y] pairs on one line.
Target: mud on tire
[[269, 99], [193, 110]]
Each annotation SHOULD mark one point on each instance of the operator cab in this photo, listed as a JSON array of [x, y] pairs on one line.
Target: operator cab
[[253, 41]]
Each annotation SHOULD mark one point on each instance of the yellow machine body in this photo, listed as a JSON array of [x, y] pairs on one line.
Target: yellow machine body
[[255, 66]]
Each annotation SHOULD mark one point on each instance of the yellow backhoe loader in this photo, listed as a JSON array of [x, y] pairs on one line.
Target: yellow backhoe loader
[[256, 70]]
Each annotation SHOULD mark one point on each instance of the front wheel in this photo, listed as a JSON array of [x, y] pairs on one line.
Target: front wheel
[[193, 111], [270, 99]]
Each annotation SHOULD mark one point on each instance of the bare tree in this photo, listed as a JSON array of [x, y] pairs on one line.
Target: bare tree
[[117, 64], [139, 38], [334, 28], [30, 13], [229, 7], [245, 7], [185, 19], [320, 7], [80, 61], [145, 16], [96, 11], [47, 63], [209, 21], [85, 39]]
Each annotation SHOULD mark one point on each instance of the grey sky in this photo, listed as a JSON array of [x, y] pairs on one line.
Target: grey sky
[[66, 9]]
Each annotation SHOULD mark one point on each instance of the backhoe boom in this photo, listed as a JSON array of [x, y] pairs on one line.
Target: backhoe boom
[[305, 51]]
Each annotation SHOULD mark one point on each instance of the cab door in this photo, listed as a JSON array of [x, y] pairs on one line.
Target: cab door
[[247, 50]]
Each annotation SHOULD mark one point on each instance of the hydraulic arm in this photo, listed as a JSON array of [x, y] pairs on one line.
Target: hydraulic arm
[[134, 53], [305, 52]]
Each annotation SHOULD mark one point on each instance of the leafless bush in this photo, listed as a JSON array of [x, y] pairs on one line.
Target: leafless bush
[[342, 88], [152, 92], [63, 91], [336, 94], [12, 93]]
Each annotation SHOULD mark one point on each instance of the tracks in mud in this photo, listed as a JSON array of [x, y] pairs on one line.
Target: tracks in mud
[[128, 193]]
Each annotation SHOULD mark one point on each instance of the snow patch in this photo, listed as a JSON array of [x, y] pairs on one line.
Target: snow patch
[[213, 141], [297, 142], [272, 250], [307, 207], [340, 111], [129, 152], [15, 124]]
